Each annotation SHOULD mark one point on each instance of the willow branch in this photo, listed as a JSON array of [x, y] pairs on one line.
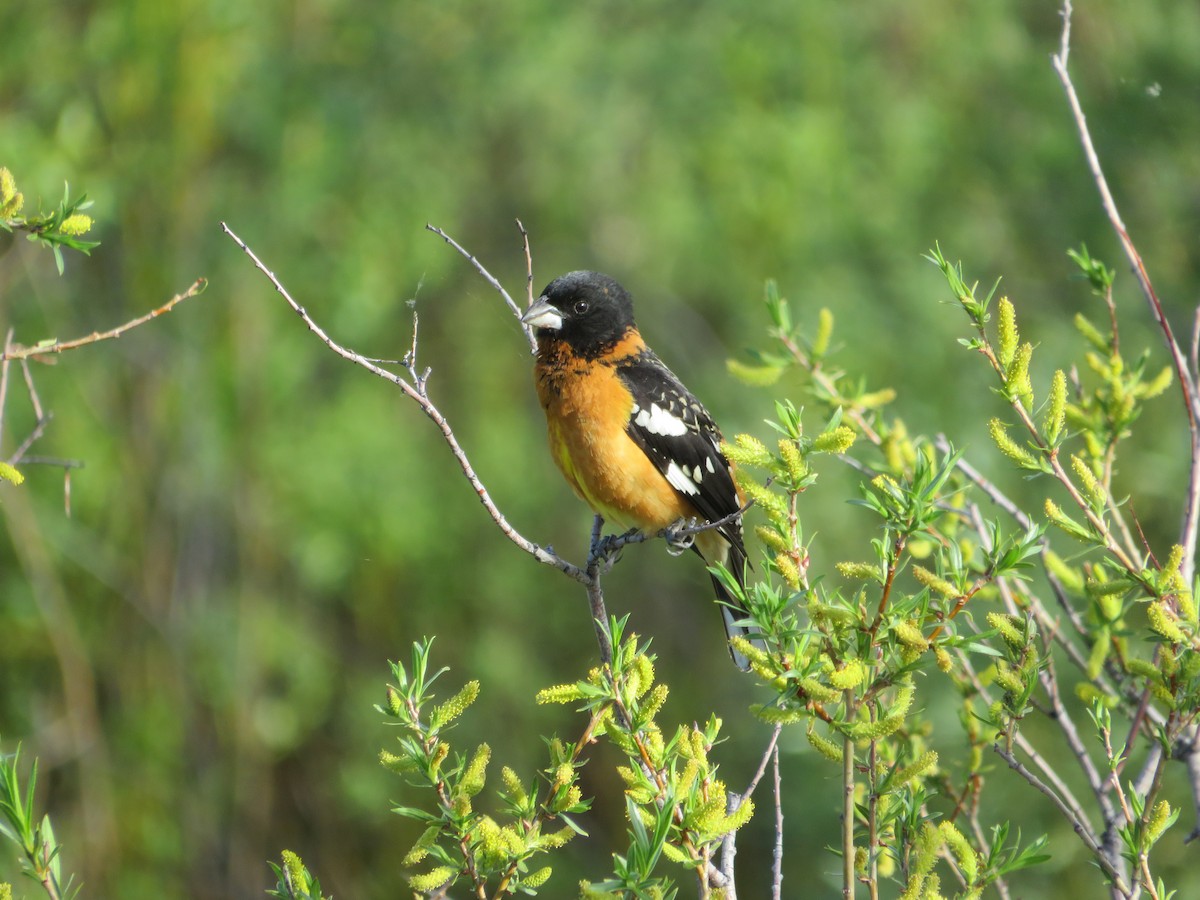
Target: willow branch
[[1187, 383]]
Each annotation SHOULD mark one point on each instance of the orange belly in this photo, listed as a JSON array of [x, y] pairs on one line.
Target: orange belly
[[587, 414]]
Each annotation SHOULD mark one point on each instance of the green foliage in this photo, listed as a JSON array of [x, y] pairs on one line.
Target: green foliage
[[678, 811], [843, 660], [40, 850], [460, 843], [56, 229]]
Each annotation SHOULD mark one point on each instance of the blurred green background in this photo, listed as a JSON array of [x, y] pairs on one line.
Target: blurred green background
[[194, 652]]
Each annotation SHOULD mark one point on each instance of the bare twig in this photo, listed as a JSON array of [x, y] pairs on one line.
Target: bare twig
[[1194, 354], [4, 377], [777, 853], [417, 393], [38, 430], [1079, 824], [488, 276], [34, 399], [47, 348], [597, 560], [528, 262], [729, 844], [55, 462], [1192, 759], [848, 811], [772, 746]]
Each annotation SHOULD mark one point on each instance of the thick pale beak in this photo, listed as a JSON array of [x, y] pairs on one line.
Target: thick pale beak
[[543, 314]]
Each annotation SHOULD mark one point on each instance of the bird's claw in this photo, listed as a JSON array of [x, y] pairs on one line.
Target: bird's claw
[[679, 540], [609, 547]]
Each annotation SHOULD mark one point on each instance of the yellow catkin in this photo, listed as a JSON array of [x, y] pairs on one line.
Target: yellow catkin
[[1056, 407], [1009, 447], [858, 571], [934, 582], [1006, 327], [838, 440]]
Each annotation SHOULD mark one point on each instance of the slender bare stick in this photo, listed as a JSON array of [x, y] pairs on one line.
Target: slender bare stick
[[418, 394], [38, 430], [1192, 759], [47, 348], [1194, 354], [848, 818], [770, 750], [528, 261], [1081, 827], [597, 557], [777, 854], [4, 377], [729, 845], [38, 413], [488, 276]]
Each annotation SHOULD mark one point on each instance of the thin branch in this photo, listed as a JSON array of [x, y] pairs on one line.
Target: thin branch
[[1063, 793], [1187, 375], [38, 412], [597, 558], [488, 276], [38, 430], [1190, 529], [528, 261], [729, 845], [418, 394], [848, 810], [777, 853], [4, 377], [770, 751], [1005, 503], [47, 348], [1192, 759], [1080, 825], [1194, 355], [55, 462], [1061, 717]]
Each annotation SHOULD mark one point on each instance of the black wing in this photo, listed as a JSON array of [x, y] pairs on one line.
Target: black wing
[[682, 440]]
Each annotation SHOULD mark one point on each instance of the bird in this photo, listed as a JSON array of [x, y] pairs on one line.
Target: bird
[[630, 439]]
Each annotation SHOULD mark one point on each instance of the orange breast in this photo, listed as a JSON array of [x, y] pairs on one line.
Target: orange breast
[[587, 409]]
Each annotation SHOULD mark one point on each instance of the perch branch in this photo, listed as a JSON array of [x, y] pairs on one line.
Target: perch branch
[[418, 393], [488, 277]]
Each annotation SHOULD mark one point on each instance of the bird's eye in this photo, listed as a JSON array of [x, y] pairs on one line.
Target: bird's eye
[[581, 306]]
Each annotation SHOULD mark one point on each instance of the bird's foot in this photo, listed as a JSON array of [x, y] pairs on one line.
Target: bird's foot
[[680, 536], [609, 547]]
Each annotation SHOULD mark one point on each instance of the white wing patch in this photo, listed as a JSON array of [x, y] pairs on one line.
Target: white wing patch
[[680, 480], [657, 420]]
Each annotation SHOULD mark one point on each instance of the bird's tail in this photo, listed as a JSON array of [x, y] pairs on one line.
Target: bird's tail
[[734, 610]]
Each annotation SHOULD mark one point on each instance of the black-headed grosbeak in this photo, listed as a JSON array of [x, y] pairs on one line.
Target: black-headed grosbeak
[[630, 439]]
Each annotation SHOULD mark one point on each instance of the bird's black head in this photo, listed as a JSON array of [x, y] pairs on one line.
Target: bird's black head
[[587, 310]]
